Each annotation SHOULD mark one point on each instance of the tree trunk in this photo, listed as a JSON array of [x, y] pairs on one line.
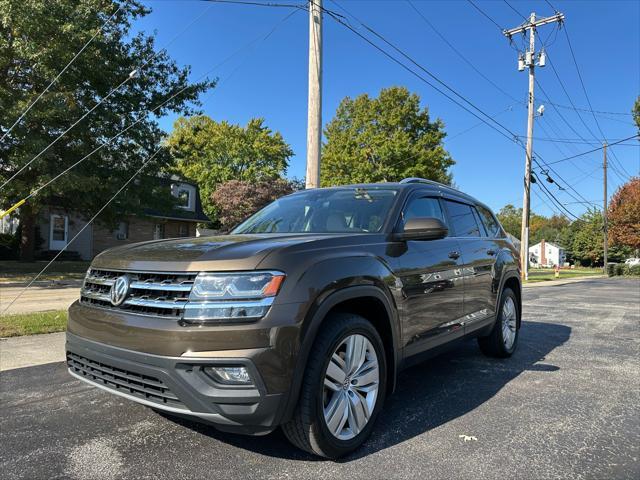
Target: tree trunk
[[28, 233]]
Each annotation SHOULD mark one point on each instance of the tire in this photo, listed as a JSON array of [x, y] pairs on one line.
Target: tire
[[309, 429], [501, 343]]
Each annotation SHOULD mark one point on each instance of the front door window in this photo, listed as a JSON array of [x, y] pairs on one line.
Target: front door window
[[58, 232]]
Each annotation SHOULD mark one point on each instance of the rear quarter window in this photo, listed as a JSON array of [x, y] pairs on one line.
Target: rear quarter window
[[490, 222]]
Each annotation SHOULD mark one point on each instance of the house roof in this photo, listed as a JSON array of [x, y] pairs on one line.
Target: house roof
[[177, 213], [547, 243]]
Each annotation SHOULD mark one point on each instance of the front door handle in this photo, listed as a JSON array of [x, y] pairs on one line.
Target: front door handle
[[491, 252], [455, 255]]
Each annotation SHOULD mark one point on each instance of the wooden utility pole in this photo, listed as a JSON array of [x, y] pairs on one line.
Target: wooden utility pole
[[529, 60], [605, 221], [314, 112]]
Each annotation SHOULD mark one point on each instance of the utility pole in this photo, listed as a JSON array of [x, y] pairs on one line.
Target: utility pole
[[314, 108], [604, 211], [529, 60]]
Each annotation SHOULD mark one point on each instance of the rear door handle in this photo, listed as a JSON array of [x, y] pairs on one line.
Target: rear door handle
[[491, 252], [454, 255]]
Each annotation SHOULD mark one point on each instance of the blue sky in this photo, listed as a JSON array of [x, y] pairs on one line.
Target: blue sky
[[269, 79]]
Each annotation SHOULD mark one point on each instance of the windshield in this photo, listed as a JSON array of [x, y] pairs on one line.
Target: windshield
[[358, 210]]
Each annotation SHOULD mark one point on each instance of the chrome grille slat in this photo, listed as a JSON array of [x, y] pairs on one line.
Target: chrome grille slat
[[161, 294]]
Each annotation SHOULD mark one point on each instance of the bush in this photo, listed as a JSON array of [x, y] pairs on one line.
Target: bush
[[8, 246], [620, 267], [633, 271], [611, 269]]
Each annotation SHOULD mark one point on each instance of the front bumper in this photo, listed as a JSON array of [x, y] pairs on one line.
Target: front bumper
[[178, 385]]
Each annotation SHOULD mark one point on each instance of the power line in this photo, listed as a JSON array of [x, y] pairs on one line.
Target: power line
[[142, 118], [259, 4], [591, 151], [132, 74], [485, 15], [81, 230], [465, 59], [510, 135], [60, 73], [597, 112]]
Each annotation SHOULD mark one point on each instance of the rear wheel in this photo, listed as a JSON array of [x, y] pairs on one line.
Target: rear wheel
[[343, 388], [503, 339]]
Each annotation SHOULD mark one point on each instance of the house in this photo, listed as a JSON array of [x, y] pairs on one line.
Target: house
[[546, 254], [57, 227]]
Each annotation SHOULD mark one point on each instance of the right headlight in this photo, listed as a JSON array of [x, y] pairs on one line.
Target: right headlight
[[237, 297]]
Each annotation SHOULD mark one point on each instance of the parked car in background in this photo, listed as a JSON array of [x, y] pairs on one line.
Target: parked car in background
[[632, 262], [303, 316]]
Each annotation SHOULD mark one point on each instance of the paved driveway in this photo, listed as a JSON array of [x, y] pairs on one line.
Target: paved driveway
[[565, 406]]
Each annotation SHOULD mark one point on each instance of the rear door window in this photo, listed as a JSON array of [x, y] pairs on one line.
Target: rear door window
[[490, 222], [462, 219]]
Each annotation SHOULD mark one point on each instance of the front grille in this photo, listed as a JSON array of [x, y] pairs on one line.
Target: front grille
[[134, 384], [150, 293]]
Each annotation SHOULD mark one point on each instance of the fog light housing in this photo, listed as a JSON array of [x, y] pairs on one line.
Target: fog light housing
[[231, 375]]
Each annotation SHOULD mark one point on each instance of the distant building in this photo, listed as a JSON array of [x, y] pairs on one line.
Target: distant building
[[546, 254], [57, 226]]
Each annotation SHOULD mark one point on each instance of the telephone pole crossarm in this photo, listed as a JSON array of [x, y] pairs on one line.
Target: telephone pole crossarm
[[558, 17]]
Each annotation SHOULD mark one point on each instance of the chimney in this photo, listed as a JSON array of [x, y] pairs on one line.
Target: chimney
[[543, 253]]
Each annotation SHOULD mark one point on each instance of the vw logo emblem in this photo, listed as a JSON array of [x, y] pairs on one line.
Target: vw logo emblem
[[119, 290]]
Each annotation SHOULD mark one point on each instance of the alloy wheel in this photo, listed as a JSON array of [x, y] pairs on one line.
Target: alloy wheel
[[508, 319], [350, 388]]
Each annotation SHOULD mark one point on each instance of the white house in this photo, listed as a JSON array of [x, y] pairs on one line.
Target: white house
[[546, 254]]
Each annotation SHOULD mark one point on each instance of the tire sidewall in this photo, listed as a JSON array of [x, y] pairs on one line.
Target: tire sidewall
[[331, 445]]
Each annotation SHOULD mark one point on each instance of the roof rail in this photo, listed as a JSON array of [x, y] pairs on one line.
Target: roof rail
[[422, 180]]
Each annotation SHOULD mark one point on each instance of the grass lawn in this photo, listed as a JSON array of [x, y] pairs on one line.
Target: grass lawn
[[32, 323], [13, 271], [544, 274]]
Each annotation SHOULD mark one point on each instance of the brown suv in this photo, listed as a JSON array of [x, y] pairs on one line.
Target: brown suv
[[302, 316]]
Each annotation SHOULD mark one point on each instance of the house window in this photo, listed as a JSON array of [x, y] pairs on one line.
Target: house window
[[185, 194], [158, 231], [183, 230], [122, 232]]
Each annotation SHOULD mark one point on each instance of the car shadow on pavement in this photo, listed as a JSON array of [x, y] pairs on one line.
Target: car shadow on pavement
[[429, 394]]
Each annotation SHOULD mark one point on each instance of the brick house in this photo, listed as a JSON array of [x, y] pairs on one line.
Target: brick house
[[57, 227]]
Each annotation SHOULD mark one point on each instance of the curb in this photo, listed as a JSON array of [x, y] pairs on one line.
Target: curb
[[551, 283]]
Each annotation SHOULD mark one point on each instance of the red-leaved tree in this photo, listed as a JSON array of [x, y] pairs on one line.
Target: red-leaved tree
[[236, 200], [624, 215]]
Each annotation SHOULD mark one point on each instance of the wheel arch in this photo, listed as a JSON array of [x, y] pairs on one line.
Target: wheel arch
[[368, 301]]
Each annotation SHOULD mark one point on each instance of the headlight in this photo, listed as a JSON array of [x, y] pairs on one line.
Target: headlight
[[228, 286], [237, 297]]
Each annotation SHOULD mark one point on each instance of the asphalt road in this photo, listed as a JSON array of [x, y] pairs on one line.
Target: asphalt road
[[566, 405]]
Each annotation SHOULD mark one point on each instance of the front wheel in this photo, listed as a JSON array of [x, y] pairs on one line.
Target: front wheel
[[343, 388], [503, 339]]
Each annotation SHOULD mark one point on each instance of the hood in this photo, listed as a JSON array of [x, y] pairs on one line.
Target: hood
[[222, 253]]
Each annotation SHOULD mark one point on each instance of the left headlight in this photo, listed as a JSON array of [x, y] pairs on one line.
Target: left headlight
[[221, 297]]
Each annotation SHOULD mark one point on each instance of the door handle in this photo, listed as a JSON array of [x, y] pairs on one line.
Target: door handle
[[454, 255], [491, 252]]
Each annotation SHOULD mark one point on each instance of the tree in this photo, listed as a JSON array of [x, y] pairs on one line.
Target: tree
[[624, 215], [588, 240], [511, 219], [636, 112], [236, 200], [211, 153], [383, 139], [37, 39]]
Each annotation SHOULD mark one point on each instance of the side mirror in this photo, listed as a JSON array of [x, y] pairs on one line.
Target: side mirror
[[423, 228]]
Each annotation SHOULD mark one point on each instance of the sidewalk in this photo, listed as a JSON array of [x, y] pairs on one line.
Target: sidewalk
[[561, 281], [18, 352], [38, 298]]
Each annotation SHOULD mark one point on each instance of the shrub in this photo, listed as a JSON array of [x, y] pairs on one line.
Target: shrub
[[611, 269], [620, 267], [8, 246], [633, 271]]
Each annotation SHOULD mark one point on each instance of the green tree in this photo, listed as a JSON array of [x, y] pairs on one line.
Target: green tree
[[587, 246], [211, 153], [37, 39], [384, 139], [636, 112]]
